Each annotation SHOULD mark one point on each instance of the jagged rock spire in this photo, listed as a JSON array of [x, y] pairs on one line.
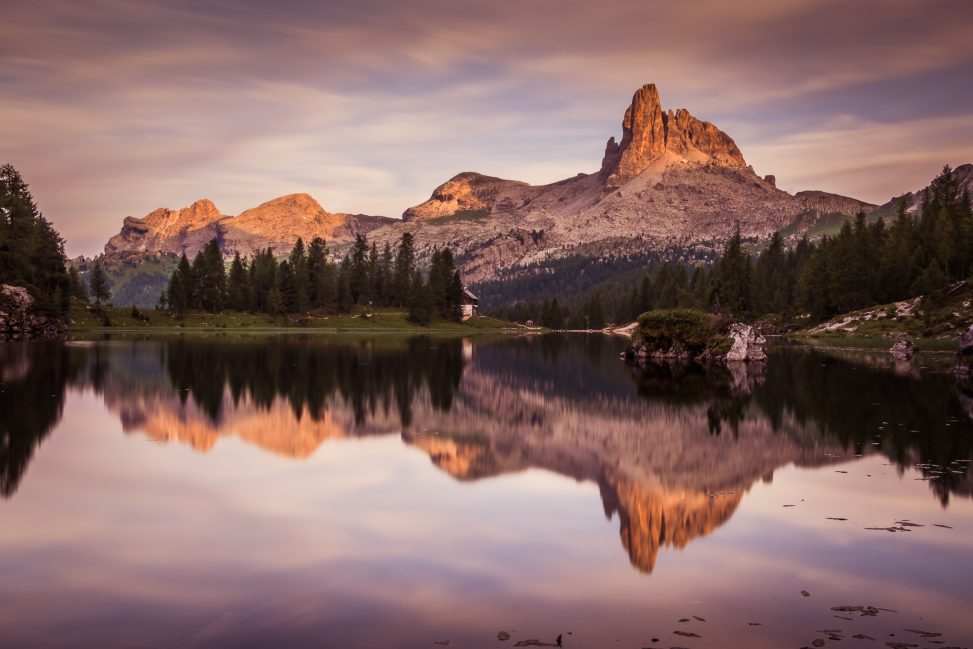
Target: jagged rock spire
[[649, 132]]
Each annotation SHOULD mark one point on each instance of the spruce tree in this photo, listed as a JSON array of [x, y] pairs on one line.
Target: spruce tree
[[421, 302], [358, 271], [302, 277], [454, 298], [404, 269], [237, 285], [99, 284], [77, 287]]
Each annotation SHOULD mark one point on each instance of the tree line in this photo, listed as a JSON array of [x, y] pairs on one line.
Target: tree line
[[865, 264], [661, 285], [308, 280]]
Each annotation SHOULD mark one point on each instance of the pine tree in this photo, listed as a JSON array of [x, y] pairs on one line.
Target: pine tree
[[421, 302], [454, 298], [404, 269], [358, 278], [237, 285], [594, 314], [383, 277], [209, 274], [99, 284], [344, 298], [287, 287], [302, 277], [731, 278], [180, 288], [77, 287]]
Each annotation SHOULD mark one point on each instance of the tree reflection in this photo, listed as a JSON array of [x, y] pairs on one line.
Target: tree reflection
[[33, 377]]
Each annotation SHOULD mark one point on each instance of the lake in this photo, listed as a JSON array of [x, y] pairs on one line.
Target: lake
[[379, 491]]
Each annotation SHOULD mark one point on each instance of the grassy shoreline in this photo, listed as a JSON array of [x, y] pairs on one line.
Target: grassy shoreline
[[83, 319]]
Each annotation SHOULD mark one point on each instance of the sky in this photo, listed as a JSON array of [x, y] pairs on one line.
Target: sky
[[113, 108]]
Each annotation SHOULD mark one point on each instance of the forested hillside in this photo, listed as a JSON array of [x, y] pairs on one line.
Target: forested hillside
[[31, 250]]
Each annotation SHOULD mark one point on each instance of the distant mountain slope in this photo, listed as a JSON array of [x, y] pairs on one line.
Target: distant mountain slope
[[913, 200]]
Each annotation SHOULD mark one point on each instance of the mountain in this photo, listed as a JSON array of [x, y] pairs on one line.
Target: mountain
[[962, 174], [276, 224], [672, 180]]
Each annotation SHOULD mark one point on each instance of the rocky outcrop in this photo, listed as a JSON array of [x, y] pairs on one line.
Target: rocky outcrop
[[964, 355], [903, 349], [685, 335], [467, 192], [275, 224], [170, 231], [18, 320], [649, 133], [747, 344], [966, 342], [278, 223]]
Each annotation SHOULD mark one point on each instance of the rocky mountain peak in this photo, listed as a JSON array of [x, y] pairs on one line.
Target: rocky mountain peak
[[465, 192], [650, 133], [169, 231]]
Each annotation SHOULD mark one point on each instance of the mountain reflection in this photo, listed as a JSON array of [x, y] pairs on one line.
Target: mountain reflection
[[671, 448]]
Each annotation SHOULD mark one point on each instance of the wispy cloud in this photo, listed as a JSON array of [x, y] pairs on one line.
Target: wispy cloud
[[113, 108]]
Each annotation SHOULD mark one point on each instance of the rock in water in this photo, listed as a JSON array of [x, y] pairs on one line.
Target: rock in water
[[748, 345], [966, 342], [903, 349]]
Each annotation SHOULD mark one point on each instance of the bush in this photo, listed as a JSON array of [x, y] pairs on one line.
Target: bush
[[696, 331]]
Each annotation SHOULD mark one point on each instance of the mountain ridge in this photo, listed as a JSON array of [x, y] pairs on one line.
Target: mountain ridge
[[671, 181]]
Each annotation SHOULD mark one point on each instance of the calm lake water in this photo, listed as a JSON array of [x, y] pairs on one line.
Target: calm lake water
[[302, 491]]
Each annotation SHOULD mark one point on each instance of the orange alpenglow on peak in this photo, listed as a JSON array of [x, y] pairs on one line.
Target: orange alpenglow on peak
[[650, 133]]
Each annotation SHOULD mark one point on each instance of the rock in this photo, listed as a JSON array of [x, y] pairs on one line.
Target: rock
[[966, 342], [276, 224], [18, 320], [771, 180], [903, 349], [649, 133], [503, 636], [748, 345], [464, 192]]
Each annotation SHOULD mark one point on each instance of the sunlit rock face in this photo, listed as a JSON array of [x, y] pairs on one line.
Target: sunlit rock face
[[471, 192], [172, 231], [649, 132], [276, 224]]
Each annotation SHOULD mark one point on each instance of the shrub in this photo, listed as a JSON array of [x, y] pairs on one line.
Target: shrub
[[695, 330]]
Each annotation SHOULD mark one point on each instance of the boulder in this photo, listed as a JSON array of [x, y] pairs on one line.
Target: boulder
[[903, 349], [19, 322], [747, 344], [966, 342]]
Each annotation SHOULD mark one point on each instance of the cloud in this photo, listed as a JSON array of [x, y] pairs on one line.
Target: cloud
[[114, 108]]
